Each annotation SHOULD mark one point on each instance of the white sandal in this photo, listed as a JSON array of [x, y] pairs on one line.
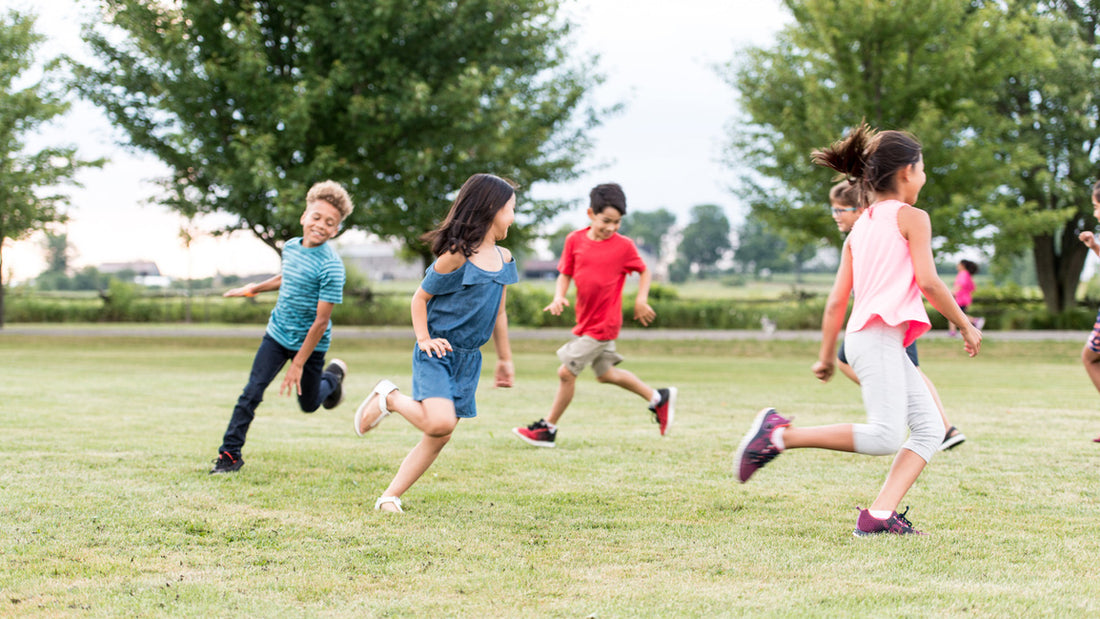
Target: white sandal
[[380, 391], [388, 499]]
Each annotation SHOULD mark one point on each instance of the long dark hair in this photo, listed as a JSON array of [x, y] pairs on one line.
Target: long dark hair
[[870, 158], [471, 214]]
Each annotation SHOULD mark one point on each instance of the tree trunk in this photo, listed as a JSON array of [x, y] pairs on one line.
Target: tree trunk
[[1059, 273]]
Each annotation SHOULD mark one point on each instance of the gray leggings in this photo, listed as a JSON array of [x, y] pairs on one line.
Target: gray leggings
[[894, 395]]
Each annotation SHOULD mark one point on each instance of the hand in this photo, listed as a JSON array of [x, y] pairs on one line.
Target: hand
[[505, 374], [292, 383], [643, 313], [556, 306], [823, 370], [972, 339], [243, 291], [437, 345], [1088, 238]]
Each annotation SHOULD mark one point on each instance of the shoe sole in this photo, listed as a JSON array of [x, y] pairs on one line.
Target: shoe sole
[[671, 414], [952, 442], [362, 410], [739, 455], [530, 441]]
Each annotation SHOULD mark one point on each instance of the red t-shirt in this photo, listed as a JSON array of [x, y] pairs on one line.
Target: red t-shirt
[[599, 269]]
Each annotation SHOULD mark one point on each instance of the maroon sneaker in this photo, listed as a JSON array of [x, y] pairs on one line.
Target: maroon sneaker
[[665, 410], [896, 524], [757, 448], [538, 434]]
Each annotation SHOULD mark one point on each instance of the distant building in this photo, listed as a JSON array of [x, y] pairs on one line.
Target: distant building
[[540, 269], [145, 272], [380, 262]]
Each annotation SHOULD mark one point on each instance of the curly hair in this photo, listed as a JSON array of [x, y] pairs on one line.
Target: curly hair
[[333, 193], [471, 214]]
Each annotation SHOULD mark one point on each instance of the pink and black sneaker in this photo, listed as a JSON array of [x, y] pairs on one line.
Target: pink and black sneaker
[[896, 524], [757, 448]]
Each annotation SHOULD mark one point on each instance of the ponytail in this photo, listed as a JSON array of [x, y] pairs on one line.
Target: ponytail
[[870, 158]]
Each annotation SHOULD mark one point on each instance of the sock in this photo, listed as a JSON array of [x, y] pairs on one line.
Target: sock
[[655, 399], [880, 514], [777, 438], [550, 426]]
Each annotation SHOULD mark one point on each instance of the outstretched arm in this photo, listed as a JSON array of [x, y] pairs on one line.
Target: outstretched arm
[[251, 290], [561, 288]]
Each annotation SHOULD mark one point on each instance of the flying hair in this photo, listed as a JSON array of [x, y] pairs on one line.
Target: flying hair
[[870, 158]]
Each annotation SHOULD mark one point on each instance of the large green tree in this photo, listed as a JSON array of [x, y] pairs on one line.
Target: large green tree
[[938, 68], [648, 228], [249, 102], [706, 237], [31, 179]]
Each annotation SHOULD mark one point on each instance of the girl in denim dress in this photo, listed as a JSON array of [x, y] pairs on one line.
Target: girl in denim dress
[[458, 306]]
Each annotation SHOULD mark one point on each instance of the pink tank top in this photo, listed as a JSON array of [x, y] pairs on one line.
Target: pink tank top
[[882, 274]]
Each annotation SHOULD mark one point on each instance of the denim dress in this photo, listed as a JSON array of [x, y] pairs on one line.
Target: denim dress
[[463, 310]]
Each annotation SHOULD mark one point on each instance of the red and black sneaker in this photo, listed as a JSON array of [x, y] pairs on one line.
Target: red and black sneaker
[[757, 448], [665, 410], [896, 524], [227, 463], [538, 434]]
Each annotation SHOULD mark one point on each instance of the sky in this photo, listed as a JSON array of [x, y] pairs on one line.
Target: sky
[[665, 148]]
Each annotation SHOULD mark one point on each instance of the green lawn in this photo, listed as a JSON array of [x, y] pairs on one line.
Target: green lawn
[[107, 509]]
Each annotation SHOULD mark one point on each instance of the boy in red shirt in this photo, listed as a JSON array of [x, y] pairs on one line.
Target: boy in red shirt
[[598, 259]]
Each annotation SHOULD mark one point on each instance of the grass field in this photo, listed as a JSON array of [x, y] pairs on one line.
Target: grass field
[[107, 509]]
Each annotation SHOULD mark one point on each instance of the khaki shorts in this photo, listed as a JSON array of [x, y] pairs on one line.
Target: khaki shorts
[[587, 350]]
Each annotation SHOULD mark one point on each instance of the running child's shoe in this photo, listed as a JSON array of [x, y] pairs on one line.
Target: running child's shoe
[[757, 448], [953, 438], [339, 369], [538, 434], [896, 524], [227, 463], [665, 410]]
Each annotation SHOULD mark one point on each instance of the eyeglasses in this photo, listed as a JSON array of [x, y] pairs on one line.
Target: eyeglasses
[[850, 209]]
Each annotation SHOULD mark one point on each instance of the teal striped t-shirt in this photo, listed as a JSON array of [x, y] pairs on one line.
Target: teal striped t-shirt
[[310, 275]]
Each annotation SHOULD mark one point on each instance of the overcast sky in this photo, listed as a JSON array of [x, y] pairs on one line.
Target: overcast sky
[[665, 148]]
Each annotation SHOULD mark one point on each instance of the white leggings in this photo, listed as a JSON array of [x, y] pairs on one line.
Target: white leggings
[[894, 395]]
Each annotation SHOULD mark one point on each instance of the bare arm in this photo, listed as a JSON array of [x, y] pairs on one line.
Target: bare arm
[[916, 227], [561, 288], [292, 382], [447, 263], [643, 313], [1089, 239], [832, 321], [251, 290], [505, 371]]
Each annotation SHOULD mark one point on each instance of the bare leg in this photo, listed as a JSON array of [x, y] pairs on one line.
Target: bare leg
[[904, 471], [936, 399], [413, 466], [567, 386], [1091, 360], [435, 417], [847, 370], [836, 437], [627, 380]]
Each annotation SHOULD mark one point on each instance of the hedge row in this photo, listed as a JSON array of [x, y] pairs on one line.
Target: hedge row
[[525, 305]]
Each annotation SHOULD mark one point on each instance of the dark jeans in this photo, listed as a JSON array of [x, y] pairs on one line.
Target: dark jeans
[[270, 359]]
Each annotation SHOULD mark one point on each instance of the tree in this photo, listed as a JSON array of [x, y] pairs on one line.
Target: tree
[[706, 237], [939, 76], [249, 102], [758, 248], [648, 228], [29, 196]]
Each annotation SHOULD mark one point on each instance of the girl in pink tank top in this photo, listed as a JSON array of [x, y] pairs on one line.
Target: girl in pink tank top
[[888, 261]]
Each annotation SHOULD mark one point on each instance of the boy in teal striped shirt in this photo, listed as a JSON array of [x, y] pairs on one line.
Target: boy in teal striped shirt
[[310, 284]]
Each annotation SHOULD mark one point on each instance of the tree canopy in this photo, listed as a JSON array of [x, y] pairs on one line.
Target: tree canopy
[[706, 238], [999, 93], [251, 102], [31, 181]]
